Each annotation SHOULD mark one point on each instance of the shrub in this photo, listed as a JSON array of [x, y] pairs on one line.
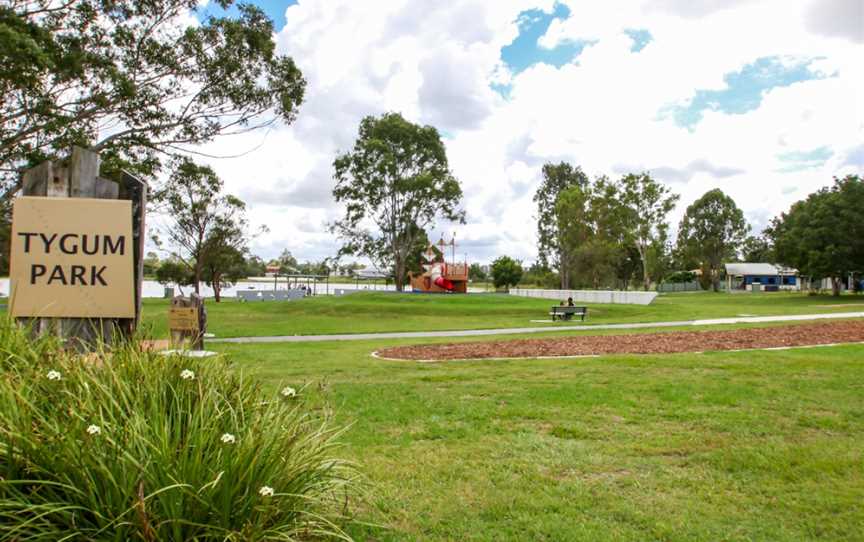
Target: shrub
[[680, 277], [136, 446]]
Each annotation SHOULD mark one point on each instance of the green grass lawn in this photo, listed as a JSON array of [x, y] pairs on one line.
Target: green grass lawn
[[371, 312], [720, 446], [759, 445]]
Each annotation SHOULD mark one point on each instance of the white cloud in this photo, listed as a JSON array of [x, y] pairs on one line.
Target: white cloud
[[837, 18], [436, 65]]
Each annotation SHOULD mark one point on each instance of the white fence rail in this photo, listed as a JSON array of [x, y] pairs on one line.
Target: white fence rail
[[589, 296]]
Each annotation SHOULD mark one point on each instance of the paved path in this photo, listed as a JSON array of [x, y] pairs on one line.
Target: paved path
[[526, 330]]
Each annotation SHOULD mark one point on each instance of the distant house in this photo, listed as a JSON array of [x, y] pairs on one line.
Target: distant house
[[761, 277]]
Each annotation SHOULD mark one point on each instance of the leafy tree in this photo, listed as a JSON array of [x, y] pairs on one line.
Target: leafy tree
[[288, 264], [132, 80], [660, 261], [648, 203], [712, 230], [224, 261], [541, 276], [823, 236], [255, 266], [314, 268], [596, 234], [174, 272], [396, 177], [626, 265], [757, 249], [553, 251], [348, 269], [574, 230], [476, 272], [608, 249], [506, 272], [151, 263], [202, 220]]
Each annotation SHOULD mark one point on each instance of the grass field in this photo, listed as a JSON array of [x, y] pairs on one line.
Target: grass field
[[362, 312], [722, 446], [738, 446]]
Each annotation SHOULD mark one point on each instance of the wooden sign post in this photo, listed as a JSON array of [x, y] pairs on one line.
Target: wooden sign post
[[187, 320], [77, 266]]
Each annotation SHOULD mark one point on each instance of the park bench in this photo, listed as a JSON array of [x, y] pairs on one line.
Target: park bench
[[567, 312]]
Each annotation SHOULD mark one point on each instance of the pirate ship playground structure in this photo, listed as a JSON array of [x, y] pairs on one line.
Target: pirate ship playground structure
[[439, 275]]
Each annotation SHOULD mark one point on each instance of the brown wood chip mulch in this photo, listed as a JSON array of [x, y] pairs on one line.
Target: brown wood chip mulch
[[638, 343]]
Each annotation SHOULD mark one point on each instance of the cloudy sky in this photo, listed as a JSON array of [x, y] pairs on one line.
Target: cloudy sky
[[761, 98]]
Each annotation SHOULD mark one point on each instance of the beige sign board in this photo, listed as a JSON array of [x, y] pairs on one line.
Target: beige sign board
[[72, 258], [183, 319]]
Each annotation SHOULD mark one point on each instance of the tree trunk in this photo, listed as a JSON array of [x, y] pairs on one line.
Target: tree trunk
[[835, 286], [197, 278], [643, 255], [399, 275], [217, 287]]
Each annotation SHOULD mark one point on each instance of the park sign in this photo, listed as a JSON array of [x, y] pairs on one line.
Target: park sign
[[183, 319], [72, 258]]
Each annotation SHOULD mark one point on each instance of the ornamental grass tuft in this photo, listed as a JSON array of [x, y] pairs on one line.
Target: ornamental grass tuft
[[126, 446]]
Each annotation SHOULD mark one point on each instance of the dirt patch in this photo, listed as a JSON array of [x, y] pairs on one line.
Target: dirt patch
[[639, 343]]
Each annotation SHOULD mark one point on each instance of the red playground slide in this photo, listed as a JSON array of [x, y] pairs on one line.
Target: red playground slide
[[441, 282]]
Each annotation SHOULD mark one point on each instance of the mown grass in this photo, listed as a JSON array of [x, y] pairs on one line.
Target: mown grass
[[720, 446], [380, 312]]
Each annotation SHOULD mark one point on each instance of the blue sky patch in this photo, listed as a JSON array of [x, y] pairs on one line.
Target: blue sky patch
[[800, 160], [640, 37], [275, 9], [503, 90], [525, 51], [855, 157], [744, 90]]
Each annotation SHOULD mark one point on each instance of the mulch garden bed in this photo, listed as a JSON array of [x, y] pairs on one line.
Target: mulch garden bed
[[638, 343]]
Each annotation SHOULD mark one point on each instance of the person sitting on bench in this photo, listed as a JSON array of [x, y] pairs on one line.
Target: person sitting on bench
[[566, 312]]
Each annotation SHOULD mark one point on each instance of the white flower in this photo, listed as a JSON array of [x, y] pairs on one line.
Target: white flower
[[54, 375], [228, 438], [186, 374], [94, 430], [288, 391], [266, 491]]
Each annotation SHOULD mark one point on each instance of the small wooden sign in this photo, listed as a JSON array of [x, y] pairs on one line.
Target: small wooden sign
[[183, 319]]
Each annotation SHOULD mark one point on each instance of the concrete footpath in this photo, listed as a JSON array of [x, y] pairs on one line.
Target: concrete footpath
[[528, 330]]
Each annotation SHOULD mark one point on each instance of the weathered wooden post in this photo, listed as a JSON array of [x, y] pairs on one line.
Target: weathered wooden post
[[187, 321], [77, 251]]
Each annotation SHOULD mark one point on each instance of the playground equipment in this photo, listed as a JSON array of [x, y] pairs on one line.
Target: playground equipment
[[439, 275]]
